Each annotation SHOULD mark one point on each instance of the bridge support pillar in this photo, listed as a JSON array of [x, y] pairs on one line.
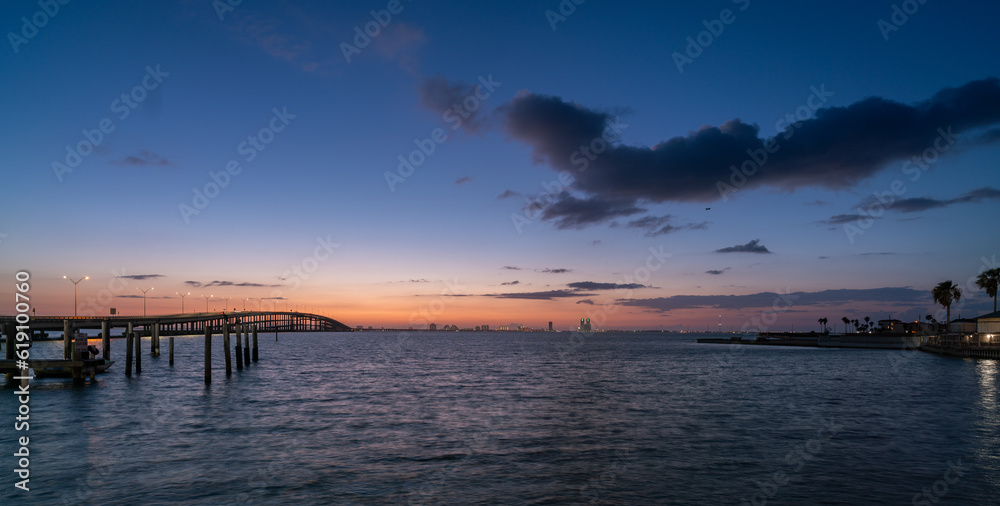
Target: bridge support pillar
[[246, 345], [239, 349], [225, 348], [208, 355]]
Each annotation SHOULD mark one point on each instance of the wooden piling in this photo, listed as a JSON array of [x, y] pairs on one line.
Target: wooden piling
[[154, 341], [208, 355], [67, 340], [138, 352], [171, 350], [106, 339], [225, 348], [128, 355], [246, 345], [128, 331], [254, 343], [239, 349], [76, 370]]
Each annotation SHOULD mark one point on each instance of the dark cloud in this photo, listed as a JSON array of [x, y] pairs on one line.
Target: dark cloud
[[511, 268], [448, 98], [911, 205], [716, 272], [918, 204], [143, 159], [140, 296], [901, 295], [568, 211], [840, 219], [836, 148], [515, 282], [661, 225], [585, 301], [245, 284], [462, 180], [753, 246], [508, 194], [592, 285], [547, 295], [556, 271], [142, 277]]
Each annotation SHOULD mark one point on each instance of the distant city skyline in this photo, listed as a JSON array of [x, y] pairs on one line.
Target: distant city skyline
[[647, 166]]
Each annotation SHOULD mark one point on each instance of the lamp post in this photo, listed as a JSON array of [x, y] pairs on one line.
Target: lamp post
[[182, 299], [227, 304], [143, 298], [258, 304], [206, 301], [74, 290], [245, 303]]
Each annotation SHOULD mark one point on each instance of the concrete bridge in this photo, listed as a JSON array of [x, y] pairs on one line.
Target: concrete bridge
[[177, 324]]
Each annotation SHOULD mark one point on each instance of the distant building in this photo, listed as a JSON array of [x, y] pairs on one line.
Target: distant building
[[550, 326], [963, 326], [988, 327], [891, 326], [433, 326], [478, 328], [584, 325], [486, 327]]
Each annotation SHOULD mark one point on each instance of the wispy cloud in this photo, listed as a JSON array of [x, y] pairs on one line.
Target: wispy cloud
[[145, 158], [244, 284], [753, 246], [586, 301], [716, 272], [141, 277], [556, 271], [546, 295], [462, 180], [508, 194], [898, 295], [592, 285], [511, 268], [661, 225], [515, 282]]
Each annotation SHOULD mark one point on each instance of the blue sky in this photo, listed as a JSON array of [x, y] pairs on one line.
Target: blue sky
[[437, 243]]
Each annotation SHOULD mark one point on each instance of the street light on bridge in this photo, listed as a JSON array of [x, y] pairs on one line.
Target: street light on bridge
[[182, 299], [245, 303], [258, 304], [206, 301], [74, 290], [143, 298], [227, 304]]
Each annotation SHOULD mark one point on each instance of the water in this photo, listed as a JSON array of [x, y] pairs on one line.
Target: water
[[487, 418]]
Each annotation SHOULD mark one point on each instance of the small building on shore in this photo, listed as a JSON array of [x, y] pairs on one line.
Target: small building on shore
[[988, 327]]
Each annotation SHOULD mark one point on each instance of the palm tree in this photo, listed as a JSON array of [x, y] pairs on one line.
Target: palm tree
[[846, 321], [989, 281], [868, 323], [945, 293], [824, 321]]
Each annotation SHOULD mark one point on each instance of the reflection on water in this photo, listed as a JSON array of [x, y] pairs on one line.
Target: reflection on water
[[466, 418]]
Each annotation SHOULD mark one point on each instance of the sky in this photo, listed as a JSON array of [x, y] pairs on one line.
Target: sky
[[714, 165]]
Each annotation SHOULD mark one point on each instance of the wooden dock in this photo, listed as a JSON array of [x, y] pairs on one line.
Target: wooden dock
[[76, 369]]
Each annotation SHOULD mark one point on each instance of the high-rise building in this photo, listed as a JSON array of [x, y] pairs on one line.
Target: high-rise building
[[550, 326], [433, 326]]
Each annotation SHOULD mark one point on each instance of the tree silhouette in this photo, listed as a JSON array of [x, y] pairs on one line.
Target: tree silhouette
[[989, 281], [846, 321], [945, 293]]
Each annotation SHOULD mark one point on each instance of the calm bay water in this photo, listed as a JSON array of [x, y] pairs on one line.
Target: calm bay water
[[486, 418]]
